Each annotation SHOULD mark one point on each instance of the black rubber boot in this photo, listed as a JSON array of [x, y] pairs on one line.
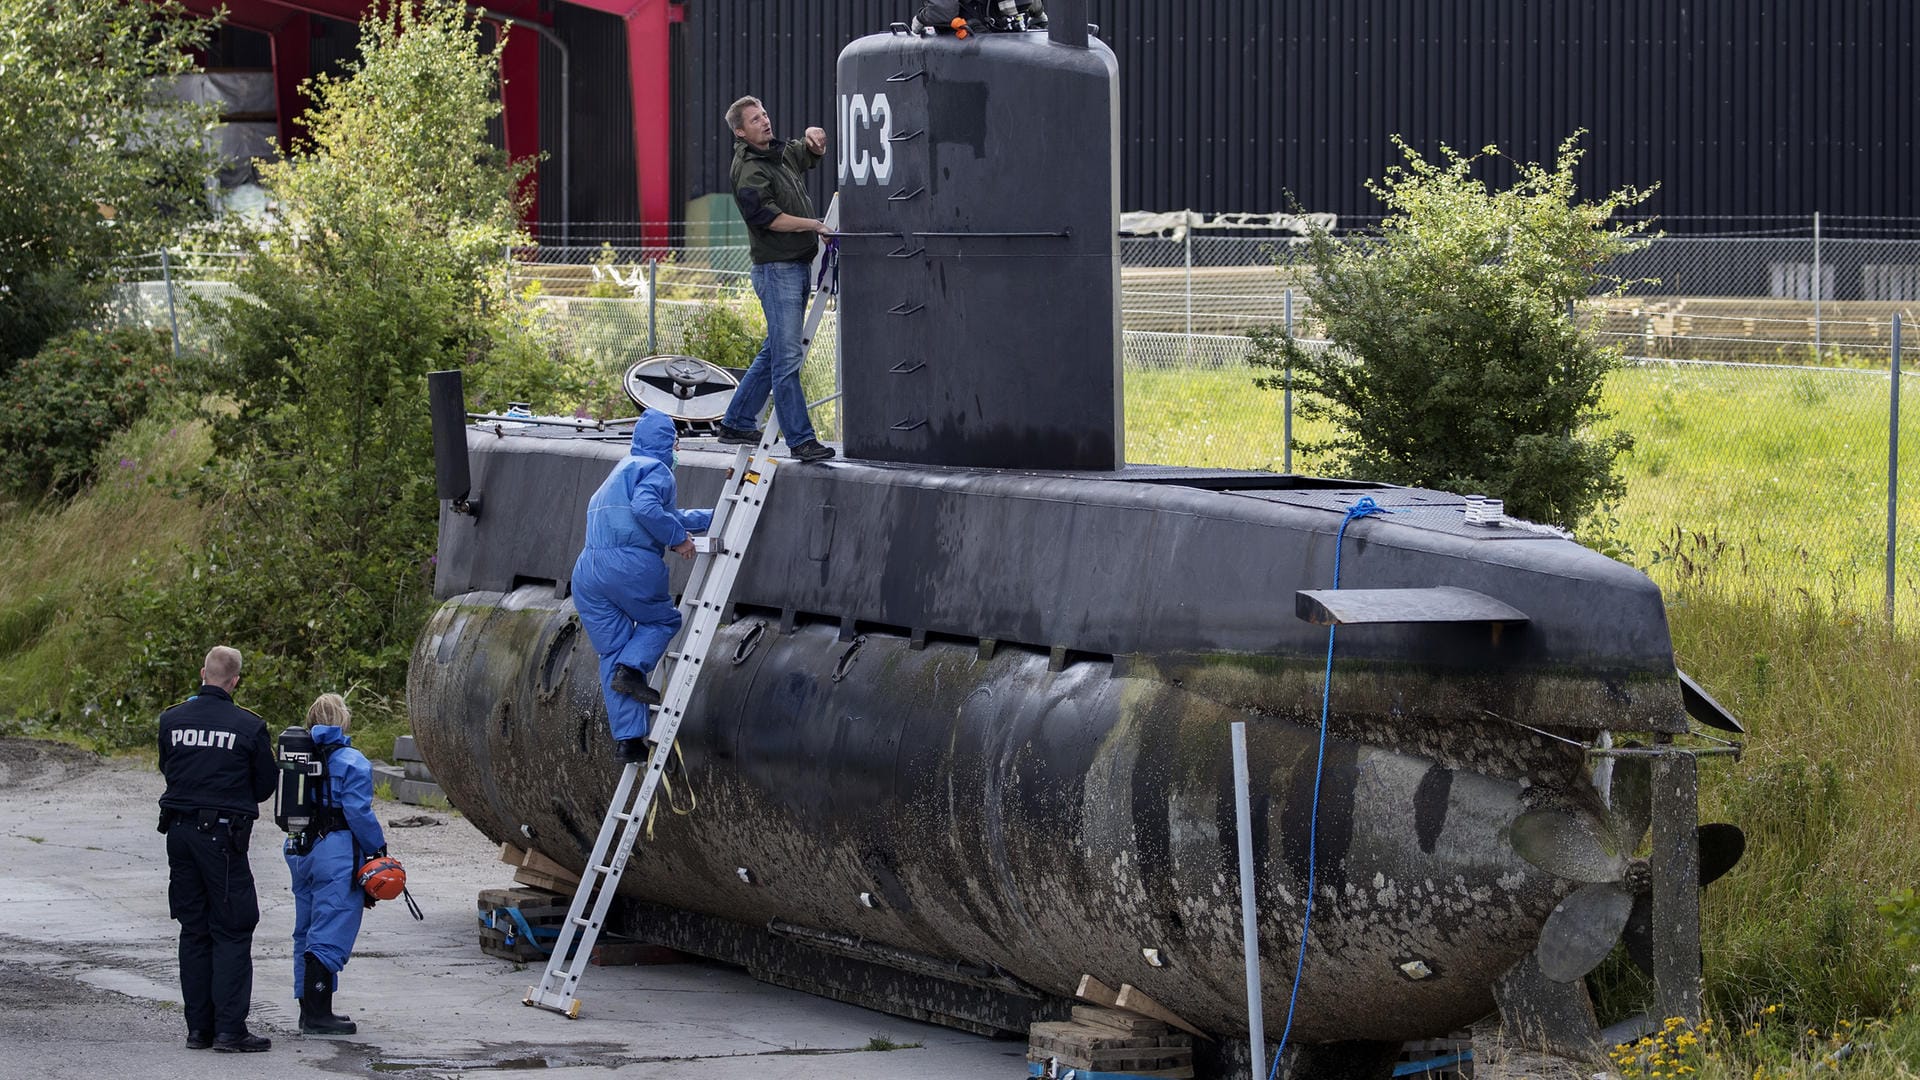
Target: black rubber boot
[[633, 683], [316, 1004]]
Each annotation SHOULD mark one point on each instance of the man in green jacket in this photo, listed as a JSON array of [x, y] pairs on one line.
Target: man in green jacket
[[783, 237]]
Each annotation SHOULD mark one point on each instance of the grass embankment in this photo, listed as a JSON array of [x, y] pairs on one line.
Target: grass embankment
[[62, 565], [66, 570], [1826, 792]]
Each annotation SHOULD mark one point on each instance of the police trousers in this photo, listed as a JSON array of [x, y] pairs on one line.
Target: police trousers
[[210, 892]]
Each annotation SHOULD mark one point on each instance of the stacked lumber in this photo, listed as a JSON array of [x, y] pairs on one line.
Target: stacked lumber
[[535, 869], [1112, 1042]]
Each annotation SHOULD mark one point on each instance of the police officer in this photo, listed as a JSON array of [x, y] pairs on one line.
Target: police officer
[[219, 768]]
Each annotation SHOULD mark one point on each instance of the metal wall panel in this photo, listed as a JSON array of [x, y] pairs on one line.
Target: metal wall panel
[[1731, 107], [781, 51], [604, 185]]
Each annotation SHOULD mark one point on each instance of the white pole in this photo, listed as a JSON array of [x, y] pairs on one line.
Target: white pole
[[1893, 463], [1816, 286], [1286, 420], [173, 317], [1188, 246], [1249, 912]]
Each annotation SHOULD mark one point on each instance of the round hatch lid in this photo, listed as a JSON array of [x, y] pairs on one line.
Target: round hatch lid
[[684, 387]]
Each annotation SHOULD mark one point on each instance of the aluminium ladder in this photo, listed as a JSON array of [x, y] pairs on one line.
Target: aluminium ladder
[[716, 564]]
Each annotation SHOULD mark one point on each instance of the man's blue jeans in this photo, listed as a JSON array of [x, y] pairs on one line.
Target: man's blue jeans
[[782, 288]]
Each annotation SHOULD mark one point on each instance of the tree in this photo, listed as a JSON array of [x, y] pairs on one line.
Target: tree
[[1455, 362], [95, 160], [386, 264]]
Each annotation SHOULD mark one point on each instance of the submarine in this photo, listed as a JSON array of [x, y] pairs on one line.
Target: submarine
[[963, 739]]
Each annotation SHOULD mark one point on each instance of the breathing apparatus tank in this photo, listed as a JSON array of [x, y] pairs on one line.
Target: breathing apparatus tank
[[302, 771]]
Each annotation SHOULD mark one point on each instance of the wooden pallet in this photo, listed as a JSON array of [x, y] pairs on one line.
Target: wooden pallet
[[1113, 1044]]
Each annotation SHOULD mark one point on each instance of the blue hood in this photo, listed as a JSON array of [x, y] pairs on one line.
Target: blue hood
[[328, 735], [653, 436]]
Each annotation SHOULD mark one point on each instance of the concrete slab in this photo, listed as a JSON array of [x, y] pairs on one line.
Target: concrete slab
[[402, 785], [88, 983]]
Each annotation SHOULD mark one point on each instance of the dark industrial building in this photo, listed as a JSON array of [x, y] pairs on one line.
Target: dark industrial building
[[1734, 108]]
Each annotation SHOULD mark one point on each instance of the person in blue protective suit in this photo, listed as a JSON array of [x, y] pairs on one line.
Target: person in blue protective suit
[[324, 861], [620, 579]]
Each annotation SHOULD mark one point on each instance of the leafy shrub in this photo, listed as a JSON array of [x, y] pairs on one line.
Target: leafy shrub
[[519, 358], [727, 333], [305, 620], [61, 405], [1456, 363]]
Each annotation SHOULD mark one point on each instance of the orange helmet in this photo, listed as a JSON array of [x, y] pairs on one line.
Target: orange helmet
[[383, 877]]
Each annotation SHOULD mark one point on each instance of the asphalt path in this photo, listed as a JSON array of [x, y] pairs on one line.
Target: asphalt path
[[89, 987]]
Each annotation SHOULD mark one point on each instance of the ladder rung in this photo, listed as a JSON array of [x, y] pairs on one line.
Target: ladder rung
[[583, 921]]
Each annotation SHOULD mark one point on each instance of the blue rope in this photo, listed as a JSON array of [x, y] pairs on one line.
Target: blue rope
[[1366, 506]]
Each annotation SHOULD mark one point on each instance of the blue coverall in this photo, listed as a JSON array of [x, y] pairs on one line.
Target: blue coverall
[[327, 904], [620, 579]]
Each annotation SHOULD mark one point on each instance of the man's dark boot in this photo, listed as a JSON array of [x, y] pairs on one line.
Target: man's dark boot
[[316, 1004], [199, 1040], [632, 682], [242, 1043]]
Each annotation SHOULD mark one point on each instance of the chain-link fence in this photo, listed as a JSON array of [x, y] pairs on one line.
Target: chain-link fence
[[1762, 408]]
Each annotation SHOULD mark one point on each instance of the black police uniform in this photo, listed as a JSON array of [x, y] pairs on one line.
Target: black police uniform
[[219, 766]]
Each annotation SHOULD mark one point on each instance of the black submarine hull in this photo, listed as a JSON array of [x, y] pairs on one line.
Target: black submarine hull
[[977, 722]]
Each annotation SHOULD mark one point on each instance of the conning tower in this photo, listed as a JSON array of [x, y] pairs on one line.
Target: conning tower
[[979, 190]]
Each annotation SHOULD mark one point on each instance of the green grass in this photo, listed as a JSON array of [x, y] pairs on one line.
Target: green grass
[[1208, 416], [1785, 466]]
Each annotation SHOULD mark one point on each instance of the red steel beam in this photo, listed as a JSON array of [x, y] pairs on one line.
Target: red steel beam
[[650, 83], [520, 105], [292, 63]]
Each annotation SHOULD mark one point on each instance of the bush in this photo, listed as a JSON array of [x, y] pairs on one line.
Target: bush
[[304, 620], [1456, 363], [59, 407], [726, 333]]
